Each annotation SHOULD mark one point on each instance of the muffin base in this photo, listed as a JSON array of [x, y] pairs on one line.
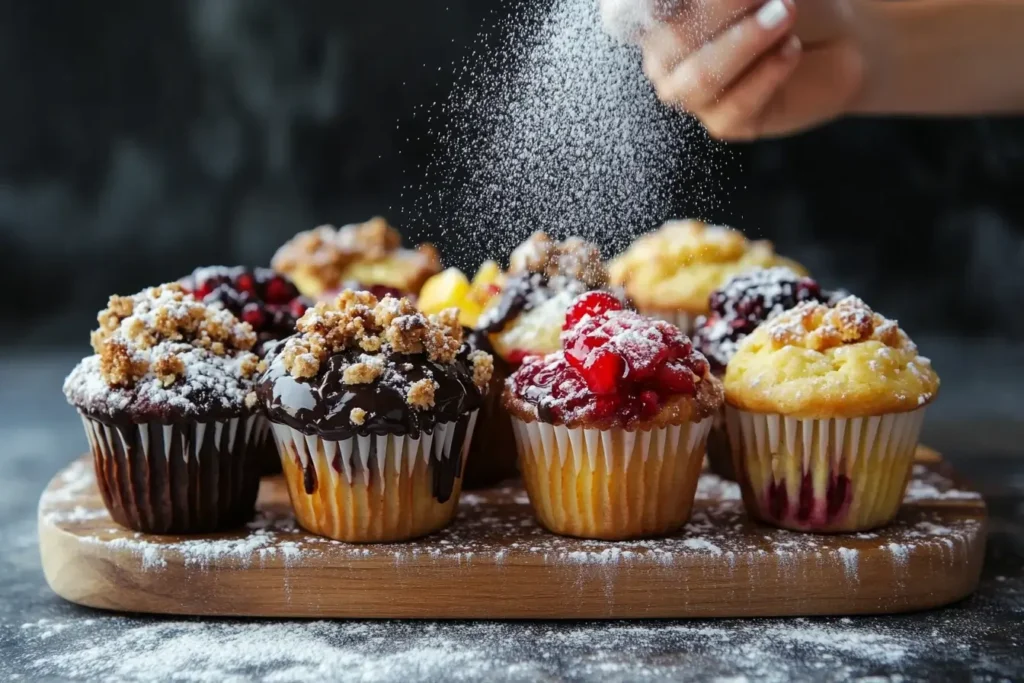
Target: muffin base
[[828, 475], [179, 478], [492, 453], [611, 484], [719, 451], [375, 489]]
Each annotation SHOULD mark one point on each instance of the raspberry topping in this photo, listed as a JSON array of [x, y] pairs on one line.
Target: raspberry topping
[[745, 302], [615, 364], [266, 300]]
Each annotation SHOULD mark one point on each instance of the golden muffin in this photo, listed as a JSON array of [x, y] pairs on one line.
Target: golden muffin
[[824, 405], [611, 429], [452, 289], [671, 272], [366, 256]]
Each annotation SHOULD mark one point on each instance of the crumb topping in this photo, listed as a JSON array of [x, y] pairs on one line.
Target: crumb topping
[[357, 320], [165, 353], [357, 416], [821, 327], [327, 251], [573, 258]]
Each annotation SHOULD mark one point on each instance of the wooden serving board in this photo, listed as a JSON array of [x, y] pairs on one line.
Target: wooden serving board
[[495, 562]]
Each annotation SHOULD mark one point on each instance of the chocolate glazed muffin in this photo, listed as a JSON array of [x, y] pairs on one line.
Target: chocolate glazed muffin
[[269, 302], [167, 404], [373, 407]]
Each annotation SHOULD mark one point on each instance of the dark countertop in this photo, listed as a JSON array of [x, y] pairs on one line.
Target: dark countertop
[[978, 424]]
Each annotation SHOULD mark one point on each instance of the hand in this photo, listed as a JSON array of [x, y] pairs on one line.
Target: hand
[[754, 68]]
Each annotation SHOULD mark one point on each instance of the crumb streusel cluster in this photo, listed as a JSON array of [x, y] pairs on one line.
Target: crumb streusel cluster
[[358, 320], [821, 327], [149, 332], [573, 258]]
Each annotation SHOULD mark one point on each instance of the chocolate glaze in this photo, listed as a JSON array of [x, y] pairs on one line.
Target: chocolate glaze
[[189, 489], [521, 293], [322, 406]]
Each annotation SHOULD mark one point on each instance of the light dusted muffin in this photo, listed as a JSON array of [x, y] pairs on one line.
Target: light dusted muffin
[[373, 406], [737, 309], [824, 405], [671, 272], [168, 406], [611, 429], [366, 256], [544, 277]]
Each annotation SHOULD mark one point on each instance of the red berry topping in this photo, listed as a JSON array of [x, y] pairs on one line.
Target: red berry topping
[[279, 292], [245, 283], [592, 304], [615, 364], [254, 315]]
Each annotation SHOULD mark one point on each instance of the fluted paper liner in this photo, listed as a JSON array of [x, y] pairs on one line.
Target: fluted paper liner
[[372, 489], [826, 475], [611, 484], [179, 478]]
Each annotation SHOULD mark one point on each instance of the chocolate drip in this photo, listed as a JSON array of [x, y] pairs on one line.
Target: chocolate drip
[[309, 481], [323, 405], [183, 480]]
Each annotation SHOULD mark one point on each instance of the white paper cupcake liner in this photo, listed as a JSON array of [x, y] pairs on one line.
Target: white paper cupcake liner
[[856, 468], [611, 484]]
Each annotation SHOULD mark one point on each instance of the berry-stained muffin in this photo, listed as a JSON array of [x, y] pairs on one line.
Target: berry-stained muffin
[[544, 277], [373, 406], [268, 301], [670, 273], [824, 405], [367, 256], [168, 406], [611, 429], [746, 301]]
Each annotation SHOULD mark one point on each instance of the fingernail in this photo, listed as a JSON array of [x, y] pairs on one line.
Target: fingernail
[[792, 47], [772, 14]]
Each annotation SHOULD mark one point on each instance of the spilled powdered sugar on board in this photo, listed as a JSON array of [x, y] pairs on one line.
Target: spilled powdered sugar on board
[[490, 527]]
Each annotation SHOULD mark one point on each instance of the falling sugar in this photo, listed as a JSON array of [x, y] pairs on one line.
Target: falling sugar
[[557, 129]]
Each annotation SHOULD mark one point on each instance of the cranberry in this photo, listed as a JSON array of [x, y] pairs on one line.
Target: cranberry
[[650, 403], [603, 370], [254, 315], [279, 292], [298, 308], [676, 378], [593, 304], [245, 283]]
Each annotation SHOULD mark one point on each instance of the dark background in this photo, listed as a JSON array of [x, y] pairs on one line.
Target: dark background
[[140, 139]]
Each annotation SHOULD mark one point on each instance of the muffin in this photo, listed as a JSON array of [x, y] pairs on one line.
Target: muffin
[[373, 406], [367, 256], [268, 301], [611, 429], [544, 277], [746, 301], [167, 403], [670, 273], [824, 406], [492, 453]]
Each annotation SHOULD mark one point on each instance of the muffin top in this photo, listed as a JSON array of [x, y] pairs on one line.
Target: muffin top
[[369, 254], [362, 366], [746, 301], [681, 263], [616, 369], [821, 361], [544, 278], [268, 301], [162, 356]]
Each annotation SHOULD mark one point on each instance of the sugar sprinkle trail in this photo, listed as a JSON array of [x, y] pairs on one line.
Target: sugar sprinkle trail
[[556, 128]]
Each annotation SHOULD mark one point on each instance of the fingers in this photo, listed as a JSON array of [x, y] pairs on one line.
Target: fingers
[[699, 81], [740, 113]]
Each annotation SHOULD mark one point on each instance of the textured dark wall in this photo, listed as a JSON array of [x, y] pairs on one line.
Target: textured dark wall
[[138, 139]]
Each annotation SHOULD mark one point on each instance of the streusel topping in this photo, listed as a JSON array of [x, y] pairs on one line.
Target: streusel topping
[[357, 320], [820, 327], [573, 258]]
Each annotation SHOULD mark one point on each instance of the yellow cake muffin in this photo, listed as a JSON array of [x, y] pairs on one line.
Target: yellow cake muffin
[[366, 256], [824, 405], [670, 273], [611, 429]]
